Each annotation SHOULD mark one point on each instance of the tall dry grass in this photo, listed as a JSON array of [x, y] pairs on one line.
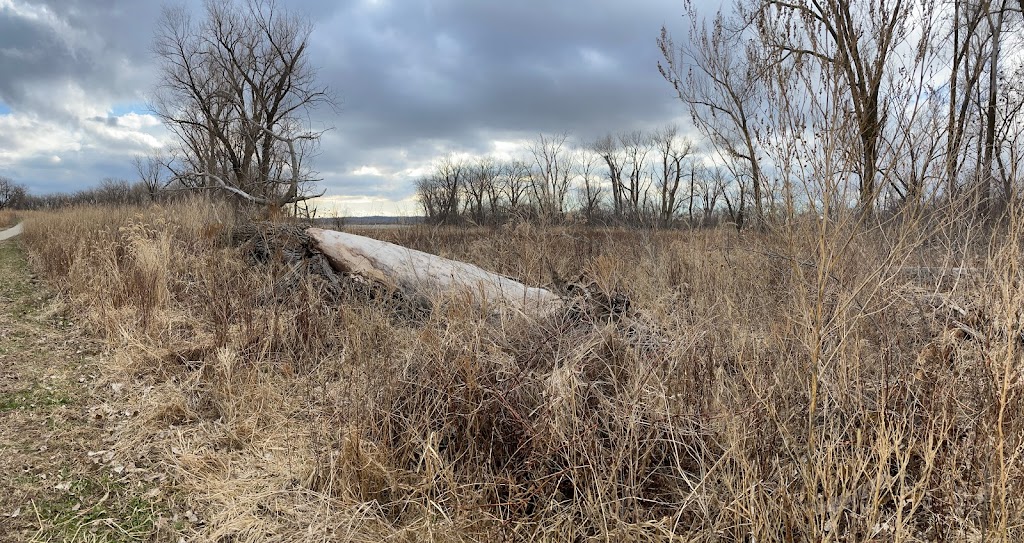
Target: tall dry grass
[[8, 218], [822, 381]]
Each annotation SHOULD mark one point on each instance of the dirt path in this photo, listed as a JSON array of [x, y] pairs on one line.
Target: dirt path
[[11, 232], [58, 482]]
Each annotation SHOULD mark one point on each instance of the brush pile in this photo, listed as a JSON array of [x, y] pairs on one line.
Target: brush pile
[[267, 244]]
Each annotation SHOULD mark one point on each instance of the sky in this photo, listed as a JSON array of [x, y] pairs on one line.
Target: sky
[[414, 80]]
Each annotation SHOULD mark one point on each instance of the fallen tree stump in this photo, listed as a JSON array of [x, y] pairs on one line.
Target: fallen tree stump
[[266, 244], [429, 277]]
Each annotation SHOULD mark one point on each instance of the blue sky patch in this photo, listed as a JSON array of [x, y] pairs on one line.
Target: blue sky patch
[[4, 110], [124, 109]]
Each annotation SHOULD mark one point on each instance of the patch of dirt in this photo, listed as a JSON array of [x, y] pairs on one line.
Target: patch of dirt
[[8, 233], [58, 480]]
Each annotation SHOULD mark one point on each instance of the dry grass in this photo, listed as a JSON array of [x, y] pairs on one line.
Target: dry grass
[[792, 385], [8, 218]]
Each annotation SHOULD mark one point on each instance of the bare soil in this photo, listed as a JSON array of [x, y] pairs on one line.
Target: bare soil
[[58, 482]]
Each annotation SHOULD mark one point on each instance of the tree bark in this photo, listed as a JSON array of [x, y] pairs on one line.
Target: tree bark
[[430, 277]]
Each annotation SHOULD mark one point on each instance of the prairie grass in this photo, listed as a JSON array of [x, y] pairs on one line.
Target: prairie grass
[[8, 218], [822, 381]]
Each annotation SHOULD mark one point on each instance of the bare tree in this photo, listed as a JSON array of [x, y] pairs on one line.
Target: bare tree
[[479, 187], [966, 68], [672, 152], [1010, 135], [514, 181], [440, 194], [430, 196], [840, 103], [718, 75], [917, 161], [590, 192], [996, 20], [6, 191], [609, 150], [552, 170], [236, 87], [736, 205], [492, 171], [713, 185], [115, 191], [636, 146], [853, 43], [12, 195], [150, 169]]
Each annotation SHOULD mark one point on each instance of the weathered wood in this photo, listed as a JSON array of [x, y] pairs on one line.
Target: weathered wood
[[429, 276]]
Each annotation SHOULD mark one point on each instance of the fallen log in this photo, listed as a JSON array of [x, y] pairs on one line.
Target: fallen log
[[429, 277]]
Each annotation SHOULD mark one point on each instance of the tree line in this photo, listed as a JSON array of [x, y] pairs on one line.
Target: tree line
[[109, 191], [653, 178]]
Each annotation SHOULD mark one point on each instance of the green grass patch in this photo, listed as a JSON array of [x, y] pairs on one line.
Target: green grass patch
[[36, 397], [15, 278], [94, 510]]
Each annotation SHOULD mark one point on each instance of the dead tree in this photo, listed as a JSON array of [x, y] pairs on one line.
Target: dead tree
[[236, 87], [718, 75], [513, 184], [853, 42], [552, 170], [427, 278], [672, 152], [609, 150]]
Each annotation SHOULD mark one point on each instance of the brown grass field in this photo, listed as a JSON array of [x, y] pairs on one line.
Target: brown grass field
[[8, 218], [821, 381]]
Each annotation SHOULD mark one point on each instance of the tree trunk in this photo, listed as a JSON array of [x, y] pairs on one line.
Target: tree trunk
[[429, 277], [984, 198]]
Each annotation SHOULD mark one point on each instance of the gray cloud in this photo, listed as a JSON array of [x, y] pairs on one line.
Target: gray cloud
[[415, 78], [452, 69], [109, 120], [463, 73], [97, 47]]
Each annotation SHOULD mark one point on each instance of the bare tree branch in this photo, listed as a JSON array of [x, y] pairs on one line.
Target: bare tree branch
[[236, 88]]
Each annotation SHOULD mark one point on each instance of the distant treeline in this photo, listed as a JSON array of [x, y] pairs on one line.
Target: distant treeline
[[641, 178], [109, 191]]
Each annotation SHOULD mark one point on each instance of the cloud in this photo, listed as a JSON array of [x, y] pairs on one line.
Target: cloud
[[452, 70], [415, 79], [64, 59], [51, 156], [419, 78]]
